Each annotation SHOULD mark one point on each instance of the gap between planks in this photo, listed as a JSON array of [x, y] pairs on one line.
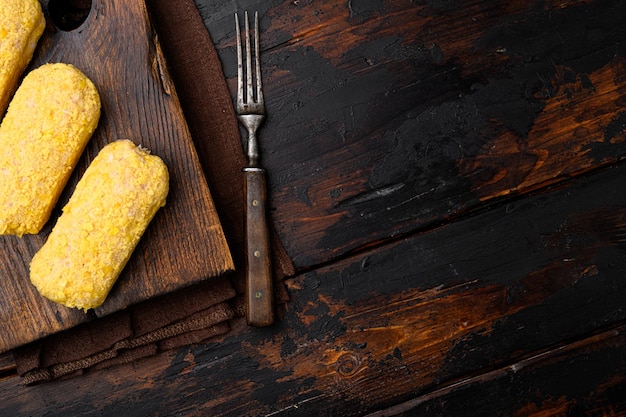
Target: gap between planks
[[464, 215], [603, 336]]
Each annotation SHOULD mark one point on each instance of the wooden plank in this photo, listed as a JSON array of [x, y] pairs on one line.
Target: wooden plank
[[118, 50], [7, 366], [400, 321], [585, 378], [534, 275], [386, 118]]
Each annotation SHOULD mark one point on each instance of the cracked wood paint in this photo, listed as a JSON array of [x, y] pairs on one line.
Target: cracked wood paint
[[386, 124]]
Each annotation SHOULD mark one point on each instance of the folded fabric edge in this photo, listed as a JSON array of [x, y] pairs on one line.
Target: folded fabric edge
[[35, 364], [210, 323]]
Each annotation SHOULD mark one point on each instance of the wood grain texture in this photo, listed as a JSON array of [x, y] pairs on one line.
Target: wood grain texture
[[117, 49], [585, 378], [498, 292], [259, 278], [449, 177], [386, 118]]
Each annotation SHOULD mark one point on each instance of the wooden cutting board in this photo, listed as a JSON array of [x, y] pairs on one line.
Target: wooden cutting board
[[117, 48]]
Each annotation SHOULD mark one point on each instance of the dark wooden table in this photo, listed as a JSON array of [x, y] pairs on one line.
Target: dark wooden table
[[448, 178]]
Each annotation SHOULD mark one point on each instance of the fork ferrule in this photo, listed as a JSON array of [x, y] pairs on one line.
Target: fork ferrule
[[251, 112], [252, 123]]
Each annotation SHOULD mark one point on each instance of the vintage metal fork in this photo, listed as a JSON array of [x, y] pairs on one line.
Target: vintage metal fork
[[251, 112]]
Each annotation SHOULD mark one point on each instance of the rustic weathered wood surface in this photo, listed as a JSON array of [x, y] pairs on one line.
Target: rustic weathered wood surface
[[185, 242], [448, 177]]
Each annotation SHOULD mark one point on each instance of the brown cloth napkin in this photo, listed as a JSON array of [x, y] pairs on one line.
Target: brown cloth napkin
[[199, 313]]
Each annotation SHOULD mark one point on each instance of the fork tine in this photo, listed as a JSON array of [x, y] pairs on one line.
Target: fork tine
[[251, 113], [239, 64], [250, 96], [259, 91]]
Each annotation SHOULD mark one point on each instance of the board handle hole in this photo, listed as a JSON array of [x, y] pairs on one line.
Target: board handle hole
[[69, 15]]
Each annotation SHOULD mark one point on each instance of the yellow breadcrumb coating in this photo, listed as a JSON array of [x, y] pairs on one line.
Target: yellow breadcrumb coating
[[21, 25], [49, 121], [114, 201]]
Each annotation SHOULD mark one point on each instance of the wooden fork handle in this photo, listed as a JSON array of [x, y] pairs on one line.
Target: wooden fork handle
[[259, 291]]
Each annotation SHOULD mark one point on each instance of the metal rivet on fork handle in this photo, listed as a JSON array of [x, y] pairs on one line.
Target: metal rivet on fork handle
[[250, 108]]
